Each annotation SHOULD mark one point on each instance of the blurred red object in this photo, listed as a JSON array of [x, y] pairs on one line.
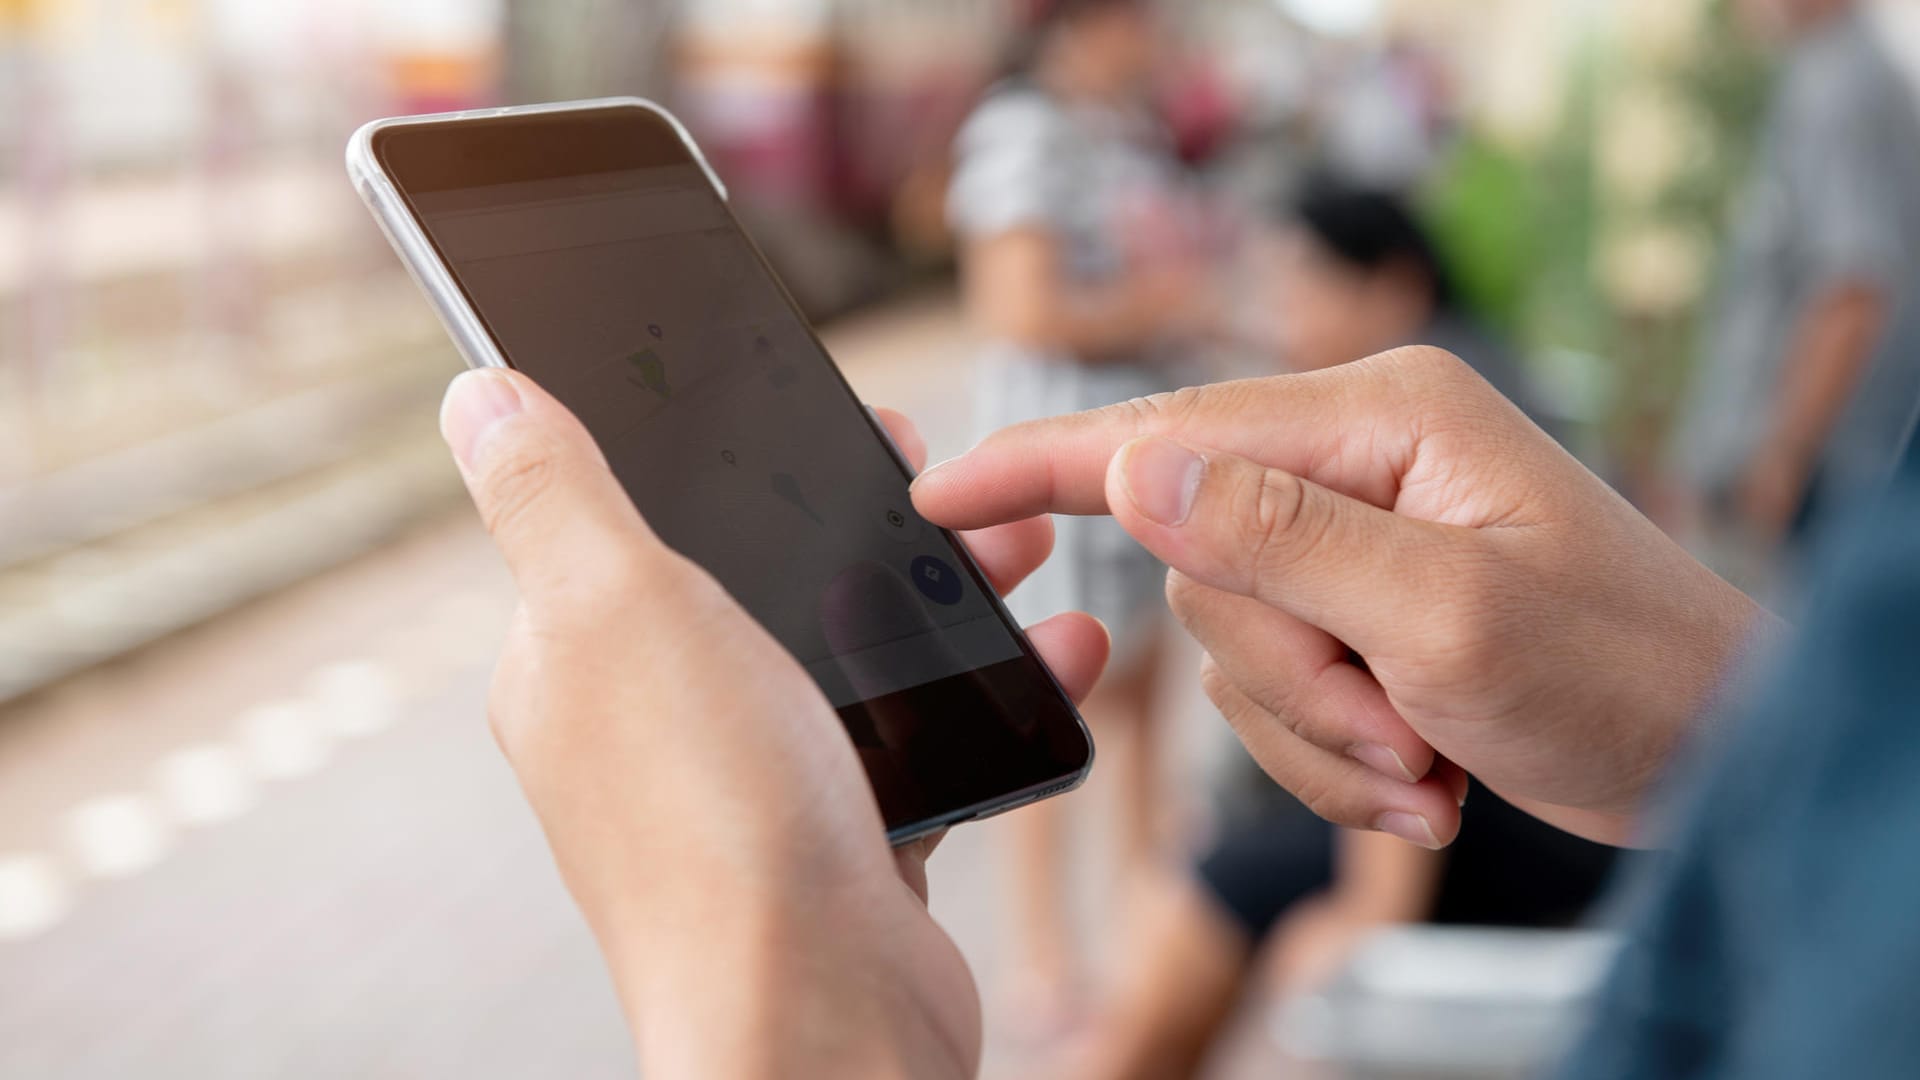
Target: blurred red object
[[1032, 12], [1200, 109]]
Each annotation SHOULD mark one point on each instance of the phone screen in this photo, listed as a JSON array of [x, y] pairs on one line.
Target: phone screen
[[605, 266]]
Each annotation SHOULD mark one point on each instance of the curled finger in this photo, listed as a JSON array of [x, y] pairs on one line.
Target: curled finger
[[1337, 788], [1303, 676]]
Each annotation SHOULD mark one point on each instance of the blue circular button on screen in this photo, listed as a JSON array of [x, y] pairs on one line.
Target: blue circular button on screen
[[937, 581]]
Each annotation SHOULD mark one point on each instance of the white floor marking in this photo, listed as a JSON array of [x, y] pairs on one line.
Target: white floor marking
[[121, 834], [206, 784], [356, 698], [34, 896], [116, 836], [285, 740]]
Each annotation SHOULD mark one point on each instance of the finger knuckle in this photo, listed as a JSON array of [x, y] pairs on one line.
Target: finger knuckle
[[1439, 365], [1443, 387], [1214, 682], [1281, 519], [1141, 413], [1183, 595], [1279, 502], [1244, 715], [1331, 798], [1232, 399], [1282, 700], [507, 697], [1313, 791], [1158, 412], [499, 722], [1186, 402], [1421, 366]]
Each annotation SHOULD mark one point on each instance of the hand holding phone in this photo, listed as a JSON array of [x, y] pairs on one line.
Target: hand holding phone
[[703, 804], [587, 246]]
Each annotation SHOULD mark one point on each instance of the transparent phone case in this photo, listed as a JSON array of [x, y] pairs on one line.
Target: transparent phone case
[[410, 241]]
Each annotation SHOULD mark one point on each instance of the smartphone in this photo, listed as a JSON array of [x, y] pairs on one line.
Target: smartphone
[[589, 245]]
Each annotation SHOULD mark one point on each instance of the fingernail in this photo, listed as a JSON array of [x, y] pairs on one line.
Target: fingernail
[[476, 402], [1162, 478], [1382, 759], [1412, 828], [930, 470]]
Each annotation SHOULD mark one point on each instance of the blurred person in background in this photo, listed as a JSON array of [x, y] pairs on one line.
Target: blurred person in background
[[1067, 199], [1897, 23], [1281, 900], [1801, 402], [1381, 124], [1280, 897], [1354, 273]]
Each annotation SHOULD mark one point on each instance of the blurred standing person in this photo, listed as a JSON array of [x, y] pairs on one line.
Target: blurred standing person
[[1898, 24], [1067, 199], [1800, 403], [1382, 125]]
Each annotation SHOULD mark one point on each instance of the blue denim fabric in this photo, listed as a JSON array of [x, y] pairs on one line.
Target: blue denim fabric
[[1779, 936]]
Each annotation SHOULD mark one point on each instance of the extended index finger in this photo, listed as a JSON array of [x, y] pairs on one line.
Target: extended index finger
[[1328, 426], [1007, 552]]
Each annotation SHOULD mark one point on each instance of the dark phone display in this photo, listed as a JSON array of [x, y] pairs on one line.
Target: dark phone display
[[620, 281]]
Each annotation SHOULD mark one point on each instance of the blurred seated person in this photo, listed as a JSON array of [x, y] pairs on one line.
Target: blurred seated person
[[1281, 897], [1280, 901], [1354, 274]]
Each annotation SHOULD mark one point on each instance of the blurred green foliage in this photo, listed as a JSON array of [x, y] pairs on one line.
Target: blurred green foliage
[[1529, 230]]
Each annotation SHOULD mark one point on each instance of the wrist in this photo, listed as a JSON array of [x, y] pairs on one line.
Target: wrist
[[753, 990], [726, 994]]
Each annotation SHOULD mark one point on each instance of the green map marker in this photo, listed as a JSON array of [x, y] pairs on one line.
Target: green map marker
[[652, 371]]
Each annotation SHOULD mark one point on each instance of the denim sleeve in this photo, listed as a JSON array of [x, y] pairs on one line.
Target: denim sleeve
[[1780, 935]]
